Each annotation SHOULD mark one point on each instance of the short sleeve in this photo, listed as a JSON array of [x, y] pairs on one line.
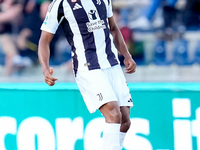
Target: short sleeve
[[50, 24], [110, 12]]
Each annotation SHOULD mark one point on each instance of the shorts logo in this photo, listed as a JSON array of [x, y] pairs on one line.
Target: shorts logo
[[100, 96], [73, 1], [130, 100]]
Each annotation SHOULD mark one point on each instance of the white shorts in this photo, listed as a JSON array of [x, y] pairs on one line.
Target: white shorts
[[101, 86]]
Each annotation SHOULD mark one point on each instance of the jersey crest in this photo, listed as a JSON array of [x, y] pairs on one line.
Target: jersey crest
[[99, 2]]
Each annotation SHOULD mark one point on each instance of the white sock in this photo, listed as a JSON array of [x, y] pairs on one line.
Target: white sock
[[111, 136], [122, 136]]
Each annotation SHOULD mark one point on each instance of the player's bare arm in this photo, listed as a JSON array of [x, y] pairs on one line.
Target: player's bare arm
[[121, 46], [43, 54]]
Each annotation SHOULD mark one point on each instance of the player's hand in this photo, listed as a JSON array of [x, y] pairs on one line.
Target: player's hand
[[48, 77], [130, 65]]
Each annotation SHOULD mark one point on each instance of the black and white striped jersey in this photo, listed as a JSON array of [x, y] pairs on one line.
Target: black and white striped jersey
[[85, 24]]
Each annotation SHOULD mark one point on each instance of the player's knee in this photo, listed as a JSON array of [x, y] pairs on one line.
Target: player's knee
[[111, 112], [114, 116], [126, 125]]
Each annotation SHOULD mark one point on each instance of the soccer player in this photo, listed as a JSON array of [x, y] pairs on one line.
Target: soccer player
[[90, 30]]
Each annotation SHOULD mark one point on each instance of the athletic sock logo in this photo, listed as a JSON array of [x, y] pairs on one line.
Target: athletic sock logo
[[77, 6]]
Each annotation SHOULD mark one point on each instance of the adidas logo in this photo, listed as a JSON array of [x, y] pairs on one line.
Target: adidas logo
[[130, 100], [77, 6]]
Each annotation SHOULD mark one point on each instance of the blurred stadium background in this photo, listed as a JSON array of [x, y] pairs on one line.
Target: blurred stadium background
[[163, 37]]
